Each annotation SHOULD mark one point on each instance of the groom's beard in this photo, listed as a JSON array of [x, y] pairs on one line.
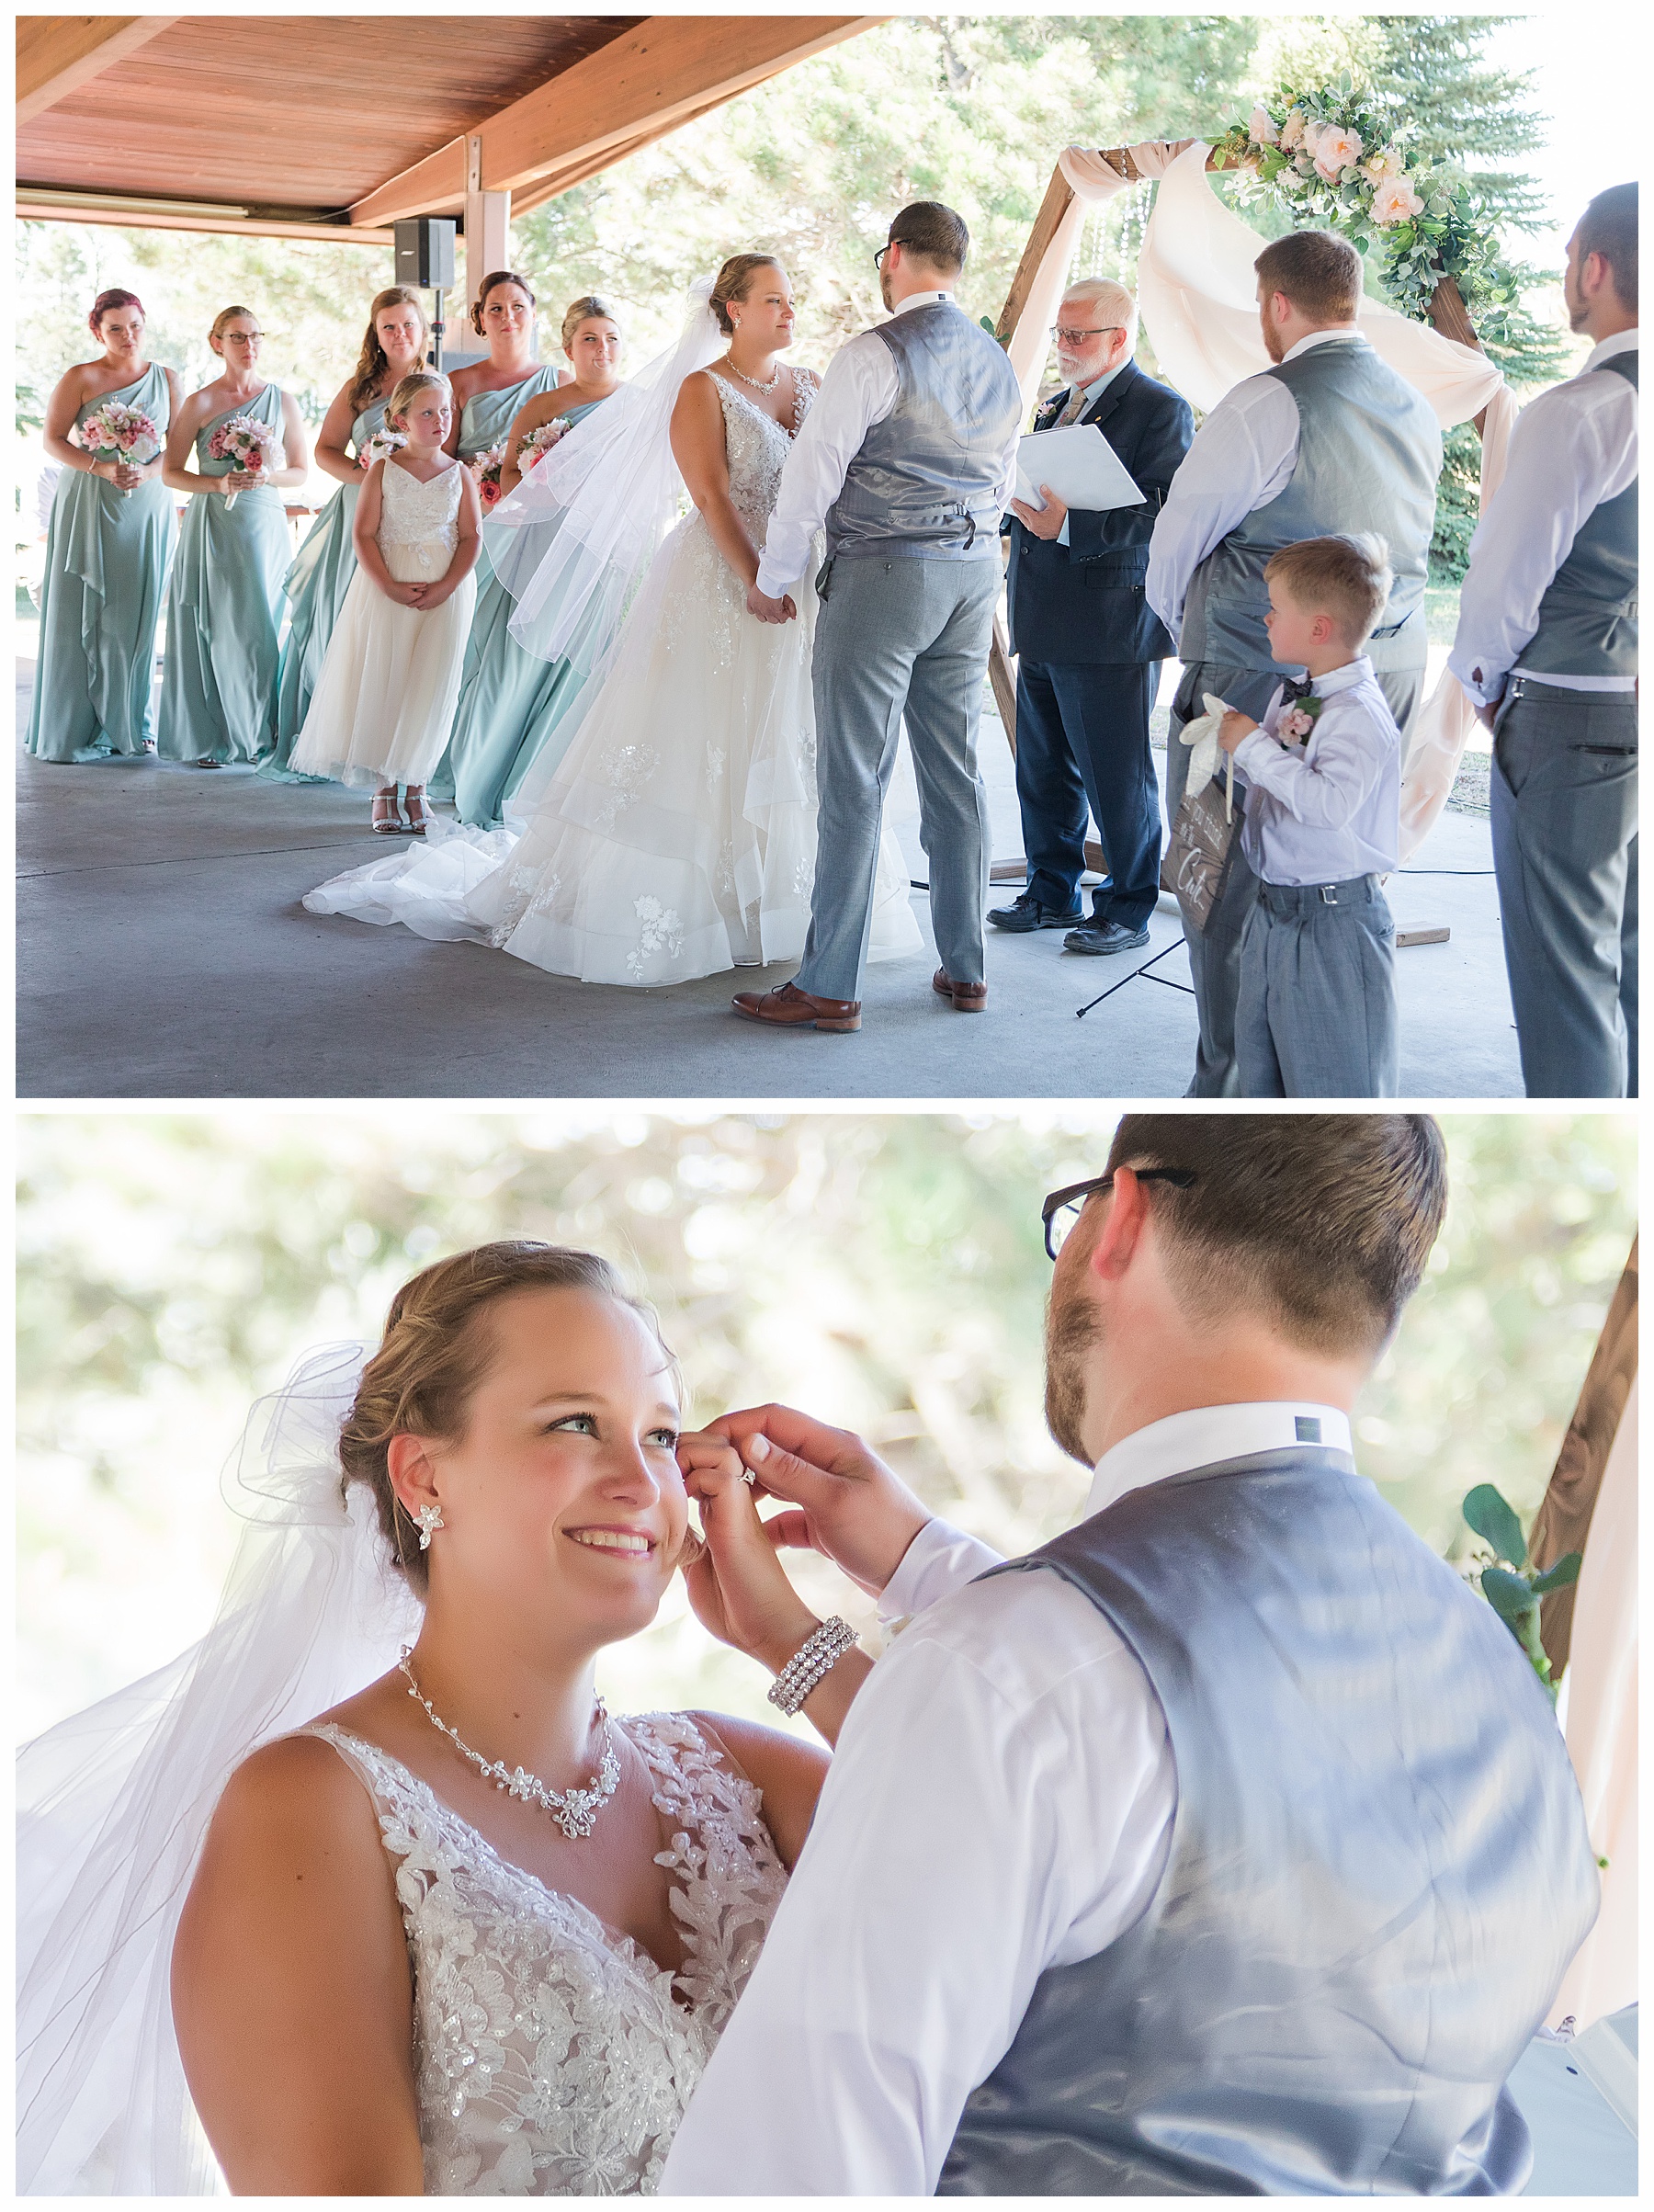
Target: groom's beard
[[883, 293], [1272, 337], [1071, 1332]]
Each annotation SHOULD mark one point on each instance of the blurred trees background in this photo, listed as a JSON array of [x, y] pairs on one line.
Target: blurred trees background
[[885, 1272]]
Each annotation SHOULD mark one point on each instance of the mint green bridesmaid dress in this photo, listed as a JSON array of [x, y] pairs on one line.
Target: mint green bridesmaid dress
[[483, 422], [100, 600], [316, 586], [511, 702], [223, 614]]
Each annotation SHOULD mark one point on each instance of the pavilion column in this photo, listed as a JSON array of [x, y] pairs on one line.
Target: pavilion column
[[487, 222]]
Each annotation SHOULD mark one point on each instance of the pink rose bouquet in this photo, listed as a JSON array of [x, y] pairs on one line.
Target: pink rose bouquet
[[245, 442], [119, 433], [485, 468], [380, 446], [534, 443]]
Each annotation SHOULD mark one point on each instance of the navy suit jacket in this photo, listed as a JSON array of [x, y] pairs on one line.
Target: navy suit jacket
[[1084, 601]]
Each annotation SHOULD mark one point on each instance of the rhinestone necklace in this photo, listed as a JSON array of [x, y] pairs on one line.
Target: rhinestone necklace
[[752, 381], [574, 1810]]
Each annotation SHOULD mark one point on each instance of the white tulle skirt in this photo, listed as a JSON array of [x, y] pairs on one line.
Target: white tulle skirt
[[677, 837], [385, 701]]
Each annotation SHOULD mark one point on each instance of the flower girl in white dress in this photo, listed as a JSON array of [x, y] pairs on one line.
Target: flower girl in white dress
[[385, 699]]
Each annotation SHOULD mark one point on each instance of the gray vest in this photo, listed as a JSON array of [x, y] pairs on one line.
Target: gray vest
[[1378, 1871], [1369, 453], [1588, 616], [924, 485]]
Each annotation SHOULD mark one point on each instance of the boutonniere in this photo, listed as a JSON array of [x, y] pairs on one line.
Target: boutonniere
[[1294, 726]]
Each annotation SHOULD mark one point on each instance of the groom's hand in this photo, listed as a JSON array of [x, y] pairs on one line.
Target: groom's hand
[[767, 609], [848, 1504], [1044, 522]]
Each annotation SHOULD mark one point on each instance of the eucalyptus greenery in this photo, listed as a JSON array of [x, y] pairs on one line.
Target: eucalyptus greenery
[[1514, 1593]]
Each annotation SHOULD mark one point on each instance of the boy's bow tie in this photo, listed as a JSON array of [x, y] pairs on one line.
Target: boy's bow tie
[[1295, 687]]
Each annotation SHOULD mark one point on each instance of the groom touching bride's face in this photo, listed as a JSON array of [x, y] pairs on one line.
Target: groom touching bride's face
[[1233, 1771]]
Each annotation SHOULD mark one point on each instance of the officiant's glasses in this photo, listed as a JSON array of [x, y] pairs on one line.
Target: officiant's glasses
[[1065, 336], [1062, 1210]]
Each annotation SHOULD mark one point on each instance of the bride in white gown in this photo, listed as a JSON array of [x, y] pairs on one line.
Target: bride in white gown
[[676, 835], [454, 1931]]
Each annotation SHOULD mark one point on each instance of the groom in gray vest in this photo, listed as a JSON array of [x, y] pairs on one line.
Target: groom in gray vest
[[906, 458], [1226, 1844], [1328, 442]]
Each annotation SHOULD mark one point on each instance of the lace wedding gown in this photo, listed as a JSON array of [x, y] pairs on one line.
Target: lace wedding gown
[[553, 2057], [677, 837]]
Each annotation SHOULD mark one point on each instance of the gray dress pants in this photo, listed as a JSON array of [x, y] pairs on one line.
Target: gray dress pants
[[1564, 793], [897, 638], [1214, 953], [1316, 1016]]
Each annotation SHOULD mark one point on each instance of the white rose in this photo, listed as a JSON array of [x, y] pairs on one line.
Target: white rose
[[1336, 150], [1261, 129], [1384, 164], [1396, 201], [1292, 130]]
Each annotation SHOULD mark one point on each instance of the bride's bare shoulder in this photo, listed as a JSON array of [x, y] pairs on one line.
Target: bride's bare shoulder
[[298, 1784]]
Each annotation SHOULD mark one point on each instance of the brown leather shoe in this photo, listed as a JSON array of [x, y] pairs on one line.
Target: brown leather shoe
[[787, 1008], [968, 998]]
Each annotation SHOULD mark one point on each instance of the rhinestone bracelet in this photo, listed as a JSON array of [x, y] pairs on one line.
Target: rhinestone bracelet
[[816, 1656]]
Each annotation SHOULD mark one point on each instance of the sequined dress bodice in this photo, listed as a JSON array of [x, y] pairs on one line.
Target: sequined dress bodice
[[414, 516], [757, 446], [553, 2057]]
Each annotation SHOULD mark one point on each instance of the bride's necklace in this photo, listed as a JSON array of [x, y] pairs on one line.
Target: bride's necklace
[[752, 381], [574, 1810]]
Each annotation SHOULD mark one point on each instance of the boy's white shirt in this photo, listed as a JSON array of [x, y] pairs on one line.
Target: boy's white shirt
[[1330, 808]]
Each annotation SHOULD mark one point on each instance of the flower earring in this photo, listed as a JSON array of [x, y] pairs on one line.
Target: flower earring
[[427, 1520]]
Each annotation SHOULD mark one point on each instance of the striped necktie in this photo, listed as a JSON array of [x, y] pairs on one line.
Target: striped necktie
[[1074, 411]]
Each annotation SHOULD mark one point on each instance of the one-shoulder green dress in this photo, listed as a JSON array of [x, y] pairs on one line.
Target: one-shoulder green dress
[[316, 586], [511, 702], [223, 613], [105, 572], [483, 422]]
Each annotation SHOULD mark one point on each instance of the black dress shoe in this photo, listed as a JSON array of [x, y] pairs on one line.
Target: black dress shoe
[[1104, 936], [1027, 912]]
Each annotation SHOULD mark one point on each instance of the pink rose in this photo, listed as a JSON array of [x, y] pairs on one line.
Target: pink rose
[[1384, 164], [1261, 128], [1292, 130], [1396, 202], [1295, 725], [1335, 151]]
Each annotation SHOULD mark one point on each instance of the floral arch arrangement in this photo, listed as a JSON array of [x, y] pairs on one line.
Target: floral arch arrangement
[[1332, 159]]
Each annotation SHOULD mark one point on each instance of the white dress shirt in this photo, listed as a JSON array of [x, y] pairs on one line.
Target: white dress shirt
[[1572, 448], [1001, 1801], [1330, 808], [1243, 456], [860, 388]]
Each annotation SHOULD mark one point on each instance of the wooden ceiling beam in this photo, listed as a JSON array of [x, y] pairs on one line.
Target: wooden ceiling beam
[[631, 92], [57, 55], [655, 77], [41, 203]]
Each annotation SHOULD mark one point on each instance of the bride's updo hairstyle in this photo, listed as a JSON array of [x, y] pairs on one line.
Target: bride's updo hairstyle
[[734, 281], [437, 1348], [494, 277]]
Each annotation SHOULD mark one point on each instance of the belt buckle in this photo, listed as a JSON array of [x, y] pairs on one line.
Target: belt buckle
[[1329, 895]]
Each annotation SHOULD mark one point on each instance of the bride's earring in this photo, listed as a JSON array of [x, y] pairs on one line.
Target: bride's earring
[[427, 1520]]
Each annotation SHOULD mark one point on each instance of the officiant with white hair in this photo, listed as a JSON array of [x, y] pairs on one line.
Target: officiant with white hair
[[1089, 645]]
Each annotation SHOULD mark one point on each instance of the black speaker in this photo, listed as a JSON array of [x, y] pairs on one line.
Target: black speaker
[[424, 253]]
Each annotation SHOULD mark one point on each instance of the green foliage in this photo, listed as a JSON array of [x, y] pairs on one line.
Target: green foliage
[[887, 1272], [1515, 1596]]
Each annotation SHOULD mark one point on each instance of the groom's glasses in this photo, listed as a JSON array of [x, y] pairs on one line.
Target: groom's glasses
[[1062, 1210]]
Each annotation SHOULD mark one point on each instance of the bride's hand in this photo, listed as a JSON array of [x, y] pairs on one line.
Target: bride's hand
[[736, 1584]]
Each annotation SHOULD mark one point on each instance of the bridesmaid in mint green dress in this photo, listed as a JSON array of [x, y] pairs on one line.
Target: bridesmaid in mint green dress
[[223, 611], [107, 550], [488, 398], [393, 343], [511, 702]]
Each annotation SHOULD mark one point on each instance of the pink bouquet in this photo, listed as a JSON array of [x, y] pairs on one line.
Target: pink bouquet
[[485, 468], [246, 442], [116, 432], [534, 443]]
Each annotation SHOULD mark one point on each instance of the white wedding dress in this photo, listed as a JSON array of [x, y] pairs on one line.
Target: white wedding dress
[[552, 2055], [677, 837]]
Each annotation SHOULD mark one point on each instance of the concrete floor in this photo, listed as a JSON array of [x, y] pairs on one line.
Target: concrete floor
[[163, 953]]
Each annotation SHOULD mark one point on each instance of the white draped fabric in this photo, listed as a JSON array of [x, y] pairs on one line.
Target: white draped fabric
[[1601, 1733], [1198, 291]]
